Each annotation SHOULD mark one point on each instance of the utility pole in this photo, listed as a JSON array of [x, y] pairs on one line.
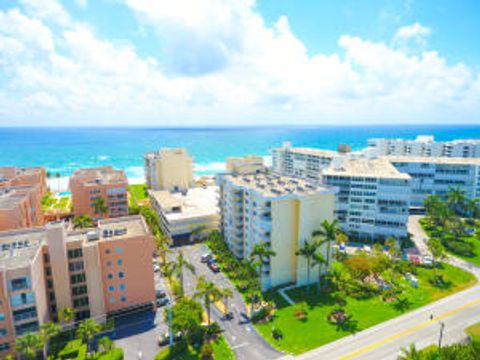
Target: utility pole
[[170, 330], [442, 326]]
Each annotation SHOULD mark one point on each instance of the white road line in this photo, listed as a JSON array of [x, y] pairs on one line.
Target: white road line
[[239, 346]]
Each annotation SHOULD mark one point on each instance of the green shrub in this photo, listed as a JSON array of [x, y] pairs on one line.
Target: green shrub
[[213, 328], [460, 247], [277, 334], [206, 351]]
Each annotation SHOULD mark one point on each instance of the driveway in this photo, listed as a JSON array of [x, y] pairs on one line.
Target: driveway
[[243, 338], [418, 235]]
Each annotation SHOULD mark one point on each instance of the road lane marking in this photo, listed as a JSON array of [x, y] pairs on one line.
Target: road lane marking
[[239, 346], [409, 330]]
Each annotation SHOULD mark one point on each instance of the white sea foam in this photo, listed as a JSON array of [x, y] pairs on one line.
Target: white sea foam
[[103, 157], [210, 168]]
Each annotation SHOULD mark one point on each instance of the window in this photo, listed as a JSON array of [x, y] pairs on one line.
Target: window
[[111, 288], [109, 263], [79, 290], [77, 278], [4, 346], [107, 251], [118, 249], [75, 253], [80, 302], [19, 284], [121, 274], [112, 300], [46, 258], [120, 262], [75, 266], [110, 276], [2, 316], [3, 332], [123, 298], [50, 284], [48, 270], [122, 287]]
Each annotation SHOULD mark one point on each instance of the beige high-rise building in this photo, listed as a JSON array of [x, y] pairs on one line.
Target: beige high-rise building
[[97, 272], [169, 169], [278, 210], [245, 164]]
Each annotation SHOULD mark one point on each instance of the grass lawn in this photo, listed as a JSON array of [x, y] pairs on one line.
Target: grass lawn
[[474, 331], [138, 194], [221, 351], [50, 203], [75, 350], [303, 335], [474, 240]]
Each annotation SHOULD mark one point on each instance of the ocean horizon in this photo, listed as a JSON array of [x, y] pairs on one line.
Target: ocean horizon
[[64, 149]]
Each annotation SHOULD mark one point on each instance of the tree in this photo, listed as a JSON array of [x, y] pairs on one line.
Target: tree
[[438, 252], [163, 246], [329, 232], [319, 260], [186, 317], [29, 344], [456, 199], [227, 293], [308, 251], [176, 268], [260, 254], [209, 292], [410, 354], [86, 331], [394, 252], [471, 207], [82, 221], [436, 210], [66, 315], [105, 344], [100, 206], [48, 330]]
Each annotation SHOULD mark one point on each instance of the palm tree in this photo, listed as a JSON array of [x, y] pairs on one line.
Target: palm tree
[[329, 232], [260, 254], [456, 199], [105, 344], [436, 209], [163, 246], [29, 344], [394, 252], [209, 292], [308, 251], [99, 206], [410, 354], [48, 330], [82, 221], [87, 330], [176, 268], [227, 293], [438, 252], [319, 260], [66, 315], [471, 206]]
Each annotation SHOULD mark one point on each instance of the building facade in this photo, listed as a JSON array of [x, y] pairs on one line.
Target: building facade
[[373, 198], [184, 213], [21, 193], [98, 273], [168, 169], [425, 146], [87, 185], [437, 175], [305, 163], [280, 211], [244, 165]]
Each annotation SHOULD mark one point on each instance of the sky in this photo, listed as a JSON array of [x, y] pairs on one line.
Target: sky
[[238, 62]]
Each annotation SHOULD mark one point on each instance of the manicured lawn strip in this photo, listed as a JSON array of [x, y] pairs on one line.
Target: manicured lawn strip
[[139, 191], [474, 331], [75, 350], [221, 351], [471, 239], [300, 336]]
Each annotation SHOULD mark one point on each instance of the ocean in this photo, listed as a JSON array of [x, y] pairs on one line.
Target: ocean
[[63, 150]]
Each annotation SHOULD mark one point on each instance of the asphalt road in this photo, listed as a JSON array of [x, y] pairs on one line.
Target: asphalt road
[[243, 338]]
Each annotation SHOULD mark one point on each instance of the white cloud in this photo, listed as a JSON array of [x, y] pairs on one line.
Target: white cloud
[[224, 64], [82, 3], [49, 10]]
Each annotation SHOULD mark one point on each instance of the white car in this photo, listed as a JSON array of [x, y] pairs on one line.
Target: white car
[[427, 260], [156, 268]]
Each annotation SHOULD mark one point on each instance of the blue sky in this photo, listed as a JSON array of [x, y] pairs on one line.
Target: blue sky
[[225, 62]]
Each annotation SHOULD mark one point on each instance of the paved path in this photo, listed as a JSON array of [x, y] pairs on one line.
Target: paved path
[[243, 338], [418, 234], [283, 292]]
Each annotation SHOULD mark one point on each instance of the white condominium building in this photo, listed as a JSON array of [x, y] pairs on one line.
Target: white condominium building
[[425, 146], [169, 169], [305, 163], [244, 165], [437, 175], [277, 210], [373, 197]]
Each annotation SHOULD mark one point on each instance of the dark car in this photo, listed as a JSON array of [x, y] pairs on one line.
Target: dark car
[[165, 338], [163, 301], [214, 267], [244, 318], [228, 316], [160, 294]]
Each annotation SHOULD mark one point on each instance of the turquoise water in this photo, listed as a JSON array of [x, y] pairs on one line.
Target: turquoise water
[[64, 193], [66, 149]]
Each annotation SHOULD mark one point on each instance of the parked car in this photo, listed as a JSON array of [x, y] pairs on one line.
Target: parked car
[[160, 294], [156, 268], [164, 339], [214, 267], [427, 261], [228, 316], [206, 258], [244, 318], [163, 301]]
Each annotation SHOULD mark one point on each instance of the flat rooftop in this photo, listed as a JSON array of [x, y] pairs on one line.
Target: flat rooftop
[[310, 151], [100, 175], [434, 160], [10, 197], [377, 168], [274, 185], [166, 152], [19, 247], [196, 202]]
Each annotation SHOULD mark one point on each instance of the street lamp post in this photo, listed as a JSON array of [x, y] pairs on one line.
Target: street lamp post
[[442, 326], [170, 330]]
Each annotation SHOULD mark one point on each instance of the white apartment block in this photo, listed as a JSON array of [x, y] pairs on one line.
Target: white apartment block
[[278, 210], [425, 146], [436, 175], [373, 198], [305, 163], [245, 164], [168, 169]]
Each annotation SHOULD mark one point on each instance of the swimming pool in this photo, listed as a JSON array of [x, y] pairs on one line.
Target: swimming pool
[[64, 193]]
